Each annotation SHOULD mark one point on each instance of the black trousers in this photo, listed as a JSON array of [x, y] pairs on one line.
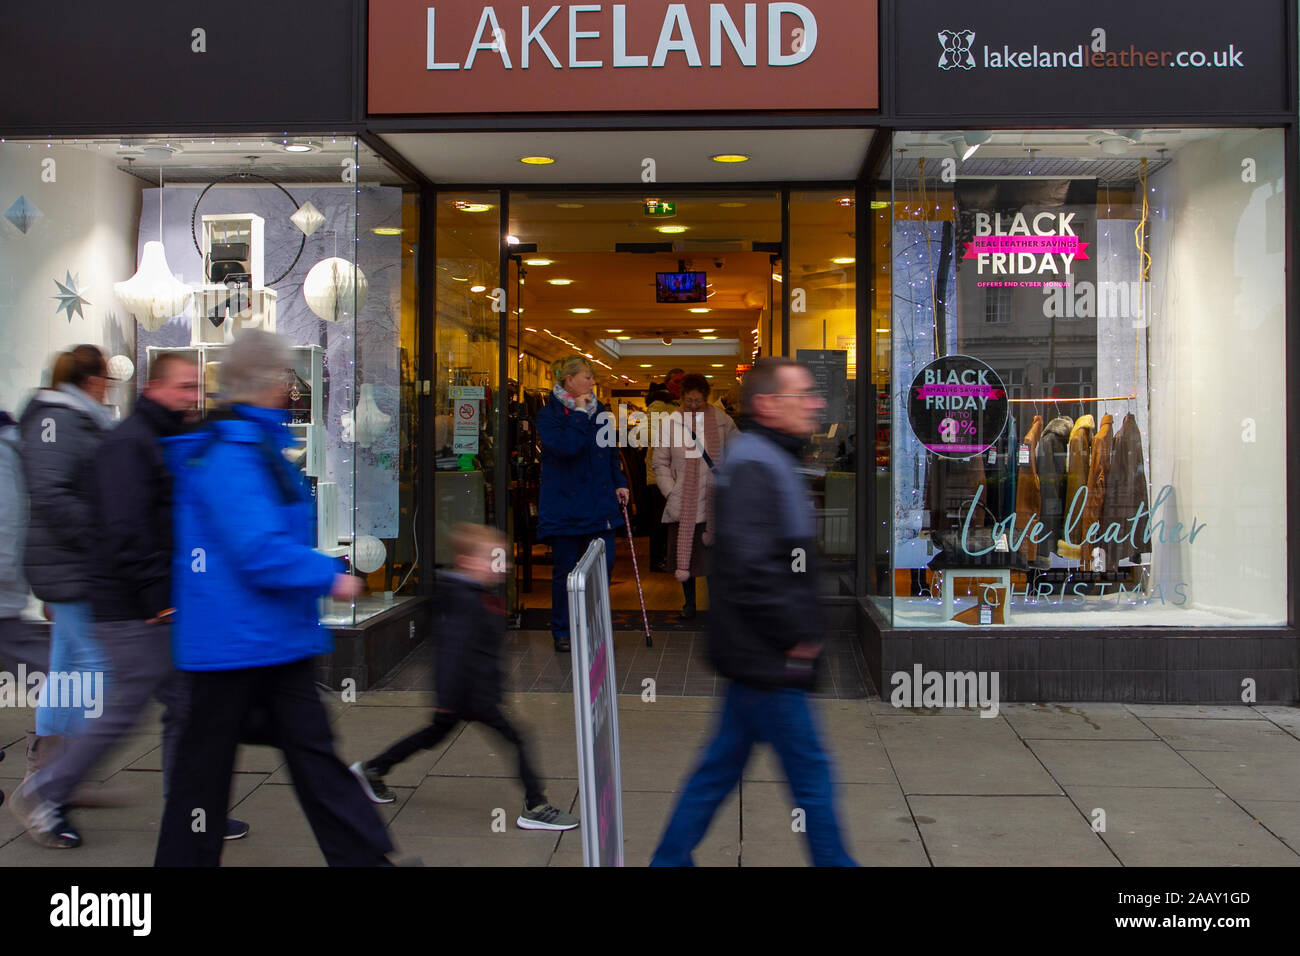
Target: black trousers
[[347, 828], [658, 531], [444, 722]]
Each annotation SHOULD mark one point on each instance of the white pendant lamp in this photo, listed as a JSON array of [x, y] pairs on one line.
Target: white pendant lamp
[[330, 286], [153, 295]]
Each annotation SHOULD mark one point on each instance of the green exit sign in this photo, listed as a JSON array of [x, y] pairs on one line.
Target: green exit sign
[[660, 209]]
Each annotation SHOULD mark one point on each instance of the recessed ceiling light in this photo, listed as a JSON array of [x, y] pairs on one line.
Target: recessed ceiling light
[[708, 338], [568, 205], [844, 260], [706, 330], [700, 310], [732, 205], [580, 311], [718, 365], [670, 230], [300, 146], [708, 376], [845, 201], [464, 205], [613, 330], [647, 365], [624, 338], [459, 279], [560, 281], [730, 158], [527, 329], [537, 160], [387, 230], [539, 262], [478, 288]]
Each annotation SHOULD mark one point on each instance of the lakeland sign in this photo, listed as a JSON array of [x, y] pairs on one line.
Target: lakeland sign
[[466, 57]]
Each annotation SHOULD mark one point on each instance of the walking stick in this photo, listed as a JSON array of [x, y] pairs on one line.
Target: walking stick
[[631, 543]]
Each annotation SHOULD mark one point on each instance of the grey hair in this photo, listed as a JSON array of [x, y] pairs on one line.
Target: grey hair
[[255, 362]]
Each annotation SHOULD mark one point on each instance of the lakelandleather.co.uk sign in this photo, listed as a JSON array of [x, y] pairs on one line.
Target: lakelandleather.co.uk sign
[[510, 57], [1165, 57]]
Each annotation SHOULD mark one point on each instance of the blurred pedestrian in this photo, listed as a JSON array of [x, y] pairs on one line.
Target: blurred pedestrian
[[472, 627], [662, 399], [246, 578], [130, 594], [61, 429], [765, 628], [583, 484], [685, 469]]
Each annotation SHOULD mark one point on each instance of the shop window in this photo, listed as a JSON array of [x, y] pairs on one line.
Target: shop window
[[1088, 382]]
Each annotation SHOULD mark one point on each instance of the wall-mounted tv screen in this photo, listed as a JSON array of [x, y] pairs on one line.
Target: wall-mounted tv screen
[[681, 287]]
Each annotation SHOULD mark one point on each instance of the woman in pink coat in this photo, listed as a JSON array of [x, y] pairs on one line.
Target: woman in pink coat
[[684, 470]]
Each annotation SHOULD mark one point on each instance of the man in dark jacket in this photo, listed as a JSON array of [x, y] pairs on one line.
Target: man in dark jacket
[[467, 673], [130, 585], [765, 627]]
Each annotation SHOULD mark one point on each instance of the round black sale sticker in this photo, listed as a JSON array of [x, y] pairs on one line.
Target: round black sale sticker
[[957, 406]]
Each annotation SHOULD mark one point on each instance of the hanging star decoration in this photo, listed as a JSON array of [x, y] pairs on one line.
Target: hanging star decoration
[[70, 297]]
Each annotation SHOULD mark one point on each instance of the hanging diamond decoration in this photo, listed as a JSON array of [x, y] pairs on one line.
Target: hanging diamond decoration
[[23, 214], [70, 297], [308, 218], [153, 295]]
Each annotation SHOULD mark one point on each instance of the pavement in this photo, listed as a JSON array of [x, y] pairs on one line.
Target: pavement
[[1037, 785]]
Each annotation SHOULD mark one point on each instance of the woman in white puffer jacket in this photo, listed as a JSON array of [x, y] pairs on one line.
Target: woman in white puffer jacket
[[684, 469]]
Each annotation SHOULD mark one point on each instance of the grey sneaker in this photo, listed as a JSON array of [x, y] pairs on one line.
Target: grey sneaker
[[372, 783], [45, 823], [546, 817]]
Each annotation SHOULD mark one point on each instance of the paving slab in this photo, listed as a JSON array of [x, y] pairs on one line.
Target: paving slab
[[144, 808], [273, 809], [249, 758], [1247, 777], [471, 806], [1207, 711], [1243, 736], [1116, 763], [662, 748], [395, 698], [978, 756], [1282, 817], [879, 829], [1007, 831], [645, 815], [512, 848], [1288, 718], [883, 708], [1075, 722], [1169, 827], [101, 848], [479, 752]]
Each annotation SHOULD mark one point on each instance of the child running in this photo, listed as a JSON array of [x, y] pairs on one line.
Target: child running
[[467, 674]]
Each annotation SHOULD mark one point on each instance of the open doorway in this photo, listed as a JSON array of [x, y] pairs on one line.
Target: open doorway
[[649, 289]]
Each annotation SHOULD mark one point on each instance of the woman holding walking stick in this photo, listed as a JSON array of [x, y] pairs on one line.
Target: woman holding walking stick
[[583, 486]]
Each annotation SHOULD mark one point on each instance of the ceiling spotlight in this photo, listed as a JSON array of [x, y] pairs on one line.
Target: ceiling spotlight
[[845, 201], [624, 338], [700, 310], [580, 311], [706, 330], [464, 205], [538, 262], [718, 365], [730, 158], [613, 330], [670, 230], [568, 205], [646, 365], [844, 260], [964, 144], [667, 340], [708, 338], [560, 281], [1113, 145], [478, 288], [300, 146], [537, 160]]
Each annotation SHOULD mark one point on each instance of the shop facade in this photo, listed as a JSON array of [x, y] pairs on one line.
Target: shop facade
[[1043, 265]]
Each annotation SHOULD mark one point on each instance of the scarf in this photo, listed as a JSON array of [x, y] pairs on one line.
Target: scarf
[[565, 399], [98, 413], [688, 518]]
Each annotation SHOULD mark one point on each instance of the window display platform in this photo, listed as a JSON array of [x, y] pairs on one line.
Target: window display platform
[[384, 635]]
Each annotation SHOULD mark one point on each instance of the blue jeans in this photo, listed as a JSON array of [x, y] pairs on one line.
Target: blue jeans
[[567, 550], [72, 648], [783, 719]]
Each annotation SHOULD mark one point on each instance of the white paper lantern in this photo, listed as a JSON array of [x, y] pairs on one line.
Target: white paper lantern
[[121, 368], [369, 422], [330, 286], [368, 554], [153, 295]]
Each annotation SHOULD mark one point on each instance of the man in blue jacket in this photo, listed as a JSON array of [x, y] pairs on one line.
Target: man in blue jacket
[[765, 624], [246, 580]]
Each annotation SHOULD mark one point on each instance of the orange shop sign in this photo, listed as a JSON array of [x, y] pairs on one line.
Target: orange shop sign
[[465, 57]]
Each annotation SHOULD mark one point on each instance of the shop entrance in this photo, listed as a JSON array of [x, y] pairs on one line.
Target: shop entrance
[[649, 293]]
